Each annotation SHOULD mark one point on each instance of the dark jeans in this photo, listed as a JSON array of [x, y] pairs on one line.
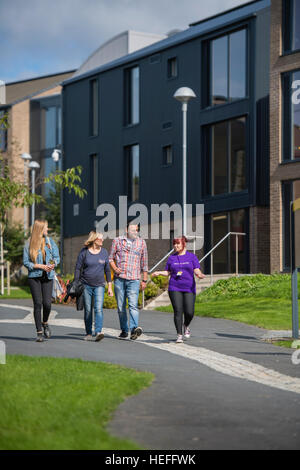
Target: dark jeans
[[41, 291], [183, 303]]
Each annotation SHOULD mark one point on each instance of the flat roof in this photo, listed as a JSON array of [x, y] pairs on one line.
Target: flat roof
[[203, 27], [223, 13]]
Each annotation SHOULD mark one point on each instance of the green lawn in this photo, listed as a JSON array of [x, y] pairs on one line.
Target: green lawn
[[62, 404], [22, 292], [260, 300]]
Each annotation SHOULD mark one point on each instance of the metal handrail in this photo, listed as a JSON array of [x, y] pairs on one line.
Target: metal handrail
[[157, 264], [219, 243], [236, 234]]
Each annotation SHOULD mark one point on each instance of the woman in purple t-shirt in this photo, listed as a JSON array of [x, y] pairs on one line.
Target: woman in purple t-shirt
[[181, 267]]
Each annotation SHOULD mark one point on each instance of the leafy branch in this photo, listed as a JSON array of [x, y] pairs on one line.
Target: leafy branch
[[68, 179]]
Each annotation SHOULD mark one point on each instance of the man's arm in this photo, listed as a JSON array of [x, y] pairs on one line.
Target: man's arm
[[112, 255], [144, 265]]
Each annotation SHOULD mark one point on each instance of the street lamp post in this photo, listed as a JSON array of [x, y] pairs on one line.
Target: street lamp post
[[183, 95], [33, 166], [56, 156], [26, 159]]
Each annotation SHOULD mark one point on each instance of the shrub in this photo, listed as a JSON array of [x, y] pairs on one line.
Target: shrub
[[161, 281], [13, 243]]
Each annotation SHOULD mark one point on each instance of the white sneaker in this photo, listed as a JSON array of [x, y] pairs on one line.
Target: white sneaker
[[179, 339], [187, 332]]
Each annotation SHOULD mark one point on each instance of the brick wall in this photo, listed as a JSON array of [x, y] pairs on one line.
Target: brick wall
[[278, 172], [259, 245]]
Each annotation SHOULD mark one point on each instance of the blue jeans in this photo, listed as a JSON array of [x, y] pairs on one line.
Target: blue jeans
[[98, 294], [127, 288]]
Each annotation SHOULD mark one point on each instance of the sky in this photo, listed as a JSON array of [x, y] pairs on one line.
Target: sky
[[41, 37]]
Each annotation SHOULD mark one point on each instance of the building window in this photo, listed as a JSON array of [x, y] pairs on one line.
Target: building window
[[291, 117], [50, 127], [224, 258], [3, 131], [227, 68], [226, 171], [167, 155], [172, 69], [132, 154], [93, 181], [290, 192], [94, 107], [132, 96], [291, 25]]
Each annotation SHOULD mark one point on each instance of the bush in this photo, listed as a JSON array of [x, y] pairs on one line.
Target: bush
[[161, 281], [13, 242], [151, 290], [259, 285]]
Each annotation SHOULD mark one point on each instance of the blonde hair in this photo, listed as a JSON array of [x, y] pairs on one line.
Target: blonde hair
[[37, 241], [92, 237]]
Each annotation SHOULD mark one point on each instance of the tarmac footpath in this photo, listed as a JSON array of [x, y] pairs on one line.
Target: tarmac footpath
[[224, 388]]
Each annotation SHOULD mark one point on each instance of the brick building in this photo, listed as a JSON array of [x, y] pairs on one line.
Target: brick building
[[284, 126], [34, 115]]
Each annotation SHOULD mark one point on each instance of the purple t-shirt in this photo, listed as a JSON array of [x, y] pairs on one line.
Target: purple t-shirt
[[184, 264]]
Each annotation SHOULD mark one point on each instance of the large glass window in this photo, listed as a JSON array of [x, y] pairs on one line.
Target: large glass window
[[291, 25], [94, 108], [224, 257], [93, 186], [227, 166], [291, 116], [50, 127], [228, 60], [133, 172], [132, 96], [290, 192]]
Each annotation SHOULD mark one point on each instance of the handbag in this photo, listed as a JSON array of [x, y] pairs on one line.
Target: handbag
[[58, 290]]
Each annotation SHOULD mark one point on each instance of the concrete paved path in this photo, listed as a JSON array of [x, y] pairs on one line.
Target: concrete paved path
[[224, 388]]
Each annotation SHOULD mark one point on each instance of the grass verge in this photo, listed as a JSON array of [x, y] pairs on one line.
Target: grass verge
[[63, 404], [22, 292], [259, 300]]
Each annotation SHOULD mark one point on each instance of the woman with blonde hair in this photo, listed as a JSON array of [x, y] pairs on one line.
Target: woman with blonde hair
[[40, 257], [92, 267]]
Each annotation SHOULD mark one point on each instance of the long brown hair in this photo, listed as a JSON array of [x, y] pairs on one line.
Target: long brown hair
[[37, 241]]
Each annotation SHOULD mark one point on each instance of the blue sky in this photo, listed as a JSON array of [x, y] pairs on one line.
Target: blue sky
[[40, 37]]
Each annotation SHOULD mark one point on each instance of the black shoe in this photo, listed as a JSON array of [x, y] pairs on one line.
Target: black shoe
[[123, 334], [39, 338], [136, 332], [47, 331]]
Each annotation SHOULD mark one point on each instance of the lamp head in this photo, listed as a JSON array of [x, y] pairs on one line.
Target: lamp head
[[184, 94], [26, 157], [34, 165]]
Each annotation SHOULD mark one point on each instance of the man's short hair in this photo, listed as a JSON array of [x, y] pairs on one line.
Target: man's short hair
[[129, 222]]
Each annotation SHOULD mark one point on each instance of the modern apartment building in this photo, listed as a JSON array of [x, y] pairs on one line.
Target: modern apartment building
[[122, 124]]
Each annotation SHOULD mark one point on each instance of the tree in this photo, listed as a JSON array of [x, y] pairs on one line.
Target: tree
[[17, 194]]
